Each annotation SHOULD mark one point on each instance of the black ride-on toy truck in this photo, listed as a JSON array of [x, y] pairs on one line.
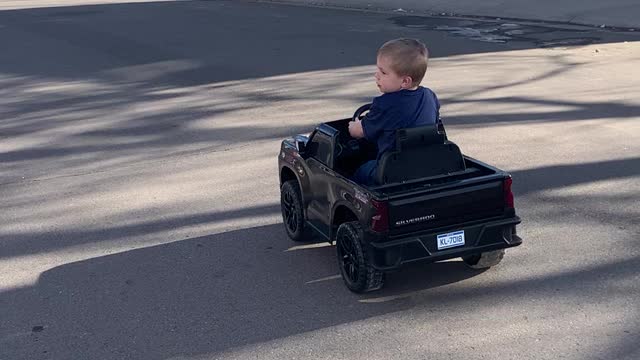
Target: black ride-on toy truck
[[432, 203]]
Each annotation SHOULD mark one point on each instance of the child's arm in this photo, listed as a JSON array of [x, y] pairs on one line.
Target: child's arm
[[355, 129]]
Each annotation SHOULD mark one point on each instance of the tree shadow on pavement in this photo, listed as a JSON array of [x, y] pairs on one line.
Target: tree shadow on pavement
[[216, 293], [558, 176], [104, 86], [201, 295], [527, 182], [158, 78]]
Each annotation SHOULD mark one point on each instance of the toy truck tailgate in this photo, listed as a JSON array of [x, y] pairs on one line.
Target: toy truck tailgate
[[450, 204]]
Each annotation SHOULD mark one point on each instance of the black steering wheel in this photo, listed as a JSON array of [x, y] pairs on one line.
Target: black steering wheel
[[360, 113], [354, 144]]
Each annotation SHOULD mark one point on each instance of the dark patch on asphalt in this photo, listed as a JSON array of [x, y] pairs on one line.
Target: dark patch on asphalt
[[38, 328], [500, 32]]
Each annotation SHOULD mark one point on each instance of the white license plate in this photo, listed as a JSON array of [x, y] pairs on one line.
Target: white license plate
[[450, 240]]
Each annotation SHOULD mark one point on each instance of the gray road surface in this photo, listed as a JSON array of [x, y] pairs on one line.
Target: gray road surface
[[610, 13], [139, 191]]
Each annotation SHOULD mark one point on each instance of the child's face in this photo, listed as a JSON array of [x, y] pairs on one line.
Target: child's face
[[387, 80]]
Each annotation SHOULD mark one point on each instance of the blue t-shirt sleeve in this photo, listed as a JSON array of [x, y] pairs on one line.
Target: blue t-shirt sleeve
[[437, 102], [373, 122]]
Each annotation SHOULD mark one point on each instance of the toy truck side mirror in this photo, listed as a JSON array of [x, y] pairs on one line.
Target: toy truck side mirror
[[301, 143]]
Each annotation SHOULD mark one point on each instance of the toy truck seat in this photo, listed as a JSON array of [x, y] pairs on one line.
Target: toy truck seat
[[420, 152]]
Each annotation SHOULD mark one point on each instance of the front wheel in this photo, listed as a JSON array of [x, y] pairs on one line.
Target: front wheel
[[355, 267], [292, 212], [484, 260]]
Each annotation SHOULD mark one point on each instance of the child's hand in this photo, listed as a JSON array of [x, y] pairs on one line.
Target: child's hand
[[355, 129]]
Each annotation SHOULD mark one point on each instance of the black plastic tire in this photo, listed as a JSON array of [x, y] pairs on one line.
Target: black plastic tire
[[292, 212], [484, 260], [355, 267]]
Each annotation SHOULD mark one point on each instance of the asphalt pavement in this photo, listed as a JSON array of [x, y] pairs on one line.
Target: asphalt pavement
[[140, 203], [612, 13]]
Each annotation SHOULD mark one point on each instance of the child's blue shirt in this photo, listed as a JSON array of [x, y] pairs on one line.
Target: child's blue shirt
[[399, 110]]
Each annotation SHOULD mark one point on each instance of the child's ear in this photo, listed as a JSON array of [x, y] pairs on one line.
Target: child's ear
[[407, 81]]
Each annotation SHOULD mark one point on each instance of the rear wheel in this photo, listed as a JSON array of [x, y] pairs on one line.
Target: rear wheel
[[292, 213], [355, 267], [484, 260]]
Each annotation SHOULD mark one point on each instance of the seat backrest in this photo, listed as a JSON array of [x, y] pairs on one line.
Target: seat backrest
[[420, 152]]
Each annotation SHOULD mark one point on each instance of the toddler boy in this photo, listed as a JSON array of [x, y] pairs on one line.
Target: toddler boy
[[401, 66]]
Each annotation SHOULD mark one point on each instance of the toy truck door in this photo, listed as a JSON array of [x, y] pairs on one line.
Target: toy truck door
[[319, 162]]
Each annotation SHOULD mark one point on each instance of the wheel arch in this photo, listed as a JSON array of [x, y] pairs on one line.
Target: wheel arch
[[342, 213], [287, 174]]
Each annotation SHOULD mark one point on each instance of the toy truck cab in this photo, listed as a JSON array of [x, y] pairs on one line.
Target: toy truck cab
[[432, 203]]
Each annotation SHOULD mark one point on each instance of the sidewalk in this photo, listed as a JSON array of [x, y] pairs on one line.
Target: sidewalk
[[611, 13]]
